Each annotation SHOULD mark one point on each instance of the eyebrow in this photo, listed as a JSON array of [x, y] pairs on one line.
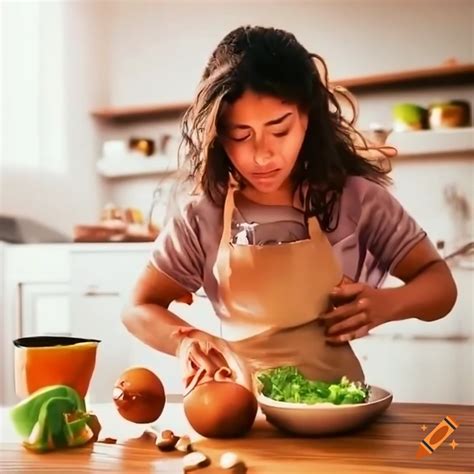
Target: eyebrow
[[271, 122]]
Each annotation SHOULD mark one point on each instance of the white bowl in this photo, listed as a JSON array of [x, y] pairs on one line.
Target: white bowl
[[324, 418]]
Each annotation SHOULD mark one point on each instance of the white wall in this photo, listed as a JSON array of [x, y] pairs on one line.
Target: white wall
[[422, 184], [160, 48], [49, 141]]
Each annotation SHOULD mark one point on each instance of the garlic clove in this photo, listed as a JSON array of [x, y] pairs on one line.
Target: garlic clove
[[230, 460], [195, 460], [184, 444]]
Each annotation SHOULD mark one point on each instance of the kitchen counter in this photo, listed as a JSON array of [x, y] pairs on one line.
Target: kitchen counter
[[387, 445]]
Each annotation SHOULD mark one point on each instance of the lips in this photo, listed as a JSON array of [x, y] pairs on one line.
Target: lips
[[266, 174]]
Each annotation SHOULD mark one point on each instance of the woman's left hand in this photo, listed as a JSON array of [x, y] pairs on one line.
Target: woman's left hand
[[357, 308]]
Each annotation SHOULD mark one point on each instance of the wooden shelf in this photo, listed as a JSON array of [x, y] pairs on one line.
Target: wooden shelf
[[436, 76], [130, 166], [141, 111], [433, 143]]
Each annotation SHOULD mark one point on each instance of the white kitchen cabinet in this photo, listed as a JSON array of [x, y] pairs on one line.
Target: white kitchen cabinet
[[4, 335], [101, 281], [417, 369], [35, 287], [44, 309]]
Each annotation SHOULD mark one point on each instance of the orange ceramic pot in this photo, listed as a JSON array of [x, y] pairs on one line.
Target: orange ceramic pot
[[51, 360]]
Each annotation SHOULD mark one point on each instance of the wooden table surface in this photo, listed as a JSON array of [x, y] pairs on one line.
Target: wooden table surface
[[388, 445]]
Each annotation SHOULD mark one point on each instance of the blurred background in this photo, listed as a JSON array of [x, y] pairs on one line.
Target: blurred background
[[92, 93]]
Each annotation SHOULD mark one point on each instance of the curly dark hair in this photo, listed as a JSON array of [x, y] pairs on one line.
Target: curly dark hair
[[271, 61]]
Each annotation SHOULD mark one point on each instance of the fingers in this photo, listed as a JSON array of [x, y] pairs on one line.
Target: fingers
[[204, 356], [345, 311], [346, 292], [348, 321], [216, 358], [348, 324], [201, 359], [349, 336]]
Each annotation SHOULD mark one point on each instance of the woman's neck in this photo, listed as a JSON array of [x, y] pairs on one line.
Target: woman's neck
[[281, 197]]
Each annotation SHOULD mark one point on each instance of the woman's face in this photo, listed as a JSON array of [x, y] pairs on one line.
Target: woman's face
[[262, 136]]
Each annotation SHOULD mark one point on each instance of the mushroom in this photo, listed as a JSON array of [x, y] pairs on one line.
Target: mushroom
[[166, 441]]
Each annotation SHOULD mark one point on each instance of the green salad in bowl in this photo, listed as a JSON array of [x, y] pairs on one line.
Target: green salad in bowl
[[298, 405], [288, 384]]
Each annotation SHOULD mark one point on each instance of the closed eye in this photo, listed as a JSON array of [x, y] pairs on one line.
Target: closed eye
[[240, 139], [281, 134]]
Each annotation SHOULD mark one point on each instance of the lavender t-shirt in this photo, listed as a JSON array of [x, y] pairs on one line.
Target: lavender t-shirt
[[373, 234]]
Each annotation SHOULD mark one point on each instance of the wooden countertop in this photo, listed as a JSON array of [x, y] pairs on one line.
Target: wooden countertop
[[387, 445]]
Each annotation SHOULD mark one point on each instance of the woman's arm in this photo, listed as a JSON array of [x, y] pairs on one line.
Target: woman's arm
[[147, 316], [428, 293]]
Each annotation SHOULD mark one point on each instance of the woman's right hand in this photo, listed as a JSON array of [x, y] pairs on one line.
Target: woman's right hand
[[199, 351]]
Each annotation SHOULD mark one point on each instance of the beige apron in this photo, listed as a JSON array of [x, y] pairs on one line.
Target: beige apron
[[270, 299]]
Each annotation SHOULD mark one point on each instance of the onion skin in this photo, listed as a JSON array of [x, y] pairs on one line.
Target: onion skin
[[220, 409], [139, 395]]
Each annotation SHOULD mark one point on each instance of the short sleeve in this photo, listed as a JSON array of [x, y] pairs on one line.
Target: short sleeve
[[387, 228], [178, 252]]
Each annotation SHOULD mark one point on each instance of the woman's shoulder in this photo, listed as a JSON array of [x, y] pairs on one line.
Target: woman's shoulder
[[353, 193], [363, 199], [195, 209], [358, 197], [361, 188]]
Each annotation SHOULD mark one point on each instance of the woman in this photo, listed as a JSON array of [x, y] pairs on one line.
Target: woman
[[291, 231]]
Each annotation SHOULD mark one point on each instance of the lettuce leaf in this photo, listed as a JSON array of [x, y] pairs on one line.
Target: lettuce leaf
[[288, 384]]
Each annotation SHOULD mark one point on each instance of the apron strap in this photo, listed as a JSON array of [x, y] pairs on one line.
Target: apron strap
[[221, 268], [229, 207], [314, 230]]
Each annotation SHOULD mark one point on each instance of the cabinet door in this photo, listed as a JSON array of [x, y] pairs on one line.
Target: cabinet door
[[421, 370], [100, 282], [35, 285], [44, 309]]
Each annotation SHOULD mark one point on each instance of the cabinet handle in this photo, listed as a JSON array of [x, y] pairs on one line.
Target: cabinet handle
[[452, 338], [93, 291]]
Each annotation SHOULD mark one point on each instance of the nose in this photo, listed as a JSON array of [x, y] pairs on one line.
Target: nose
[[262, 152]]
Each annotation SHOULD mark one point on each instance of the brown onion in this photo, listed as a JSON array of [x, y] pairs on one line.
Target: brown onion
[[139, 395], [220, 409], [219, 404]]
